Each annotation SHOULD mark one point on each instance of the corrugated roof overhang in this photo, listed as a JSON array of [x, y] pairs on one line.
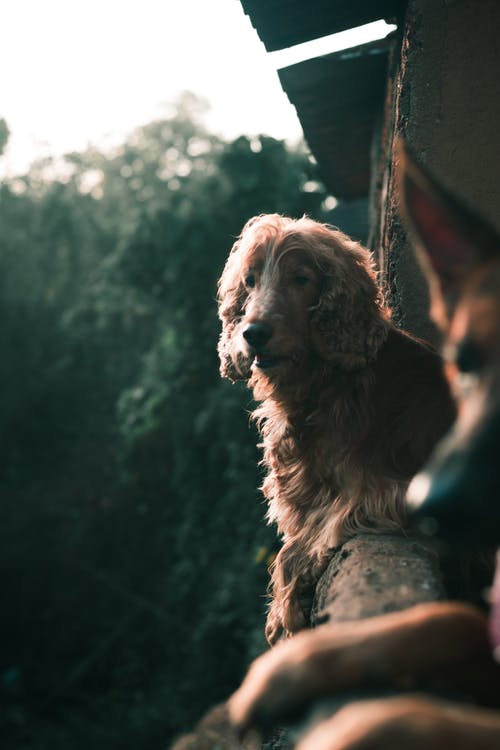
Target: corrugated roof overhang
[[339, 98], [285, 23]]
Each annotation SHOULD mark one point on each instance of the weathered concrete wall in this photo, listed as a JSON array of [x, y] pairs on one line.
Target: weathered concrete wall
[[446, 105]]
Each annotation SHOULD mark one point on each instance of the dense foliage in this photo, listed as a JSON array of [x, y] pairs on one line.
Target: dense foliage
[[133, 568]]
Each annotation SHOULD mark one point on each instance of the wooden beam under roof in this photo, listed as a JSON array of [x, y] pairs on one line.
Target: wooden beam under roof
[[285, 23], [339, 99]]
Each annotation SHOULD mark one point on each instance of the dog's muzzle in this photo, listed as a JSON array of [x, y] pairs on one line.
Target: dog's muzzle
[[257, 335]]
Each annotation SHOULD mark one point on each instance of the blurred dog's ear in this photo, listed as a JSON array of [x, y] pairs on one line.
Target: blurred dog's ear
[[348, 327], [451, 240]]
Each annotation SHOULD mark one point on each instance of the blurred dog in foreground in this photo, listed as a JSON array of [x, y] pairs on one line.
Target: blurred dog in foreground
[[444, 648], [350, 406]]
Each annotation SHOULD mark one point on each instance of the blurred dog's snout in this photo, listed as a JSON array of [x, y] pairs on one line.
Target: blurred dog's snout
[[457, 496], [257, 334]]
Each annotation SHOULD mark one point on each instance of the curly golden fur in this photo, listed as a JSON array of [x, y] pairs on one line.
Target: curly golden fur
[[350, 407]]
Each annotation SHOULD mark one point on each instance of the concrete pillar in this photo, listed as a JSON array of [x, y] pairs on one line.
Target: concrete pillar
[[446, 105]]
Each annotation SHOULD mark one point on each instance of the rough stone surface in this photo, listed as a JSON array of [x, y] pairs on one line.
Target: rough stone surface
[[373, 574], [369, 575]]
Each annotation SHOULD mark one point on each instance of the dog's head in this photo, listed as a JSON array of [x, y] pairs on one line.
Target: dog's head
[[293, 293], [460, 253]]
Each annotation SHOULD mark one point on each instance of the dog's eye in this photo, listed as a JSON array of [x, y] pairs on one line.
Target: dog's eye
[[250, 280], [301, 280], [469, 358]]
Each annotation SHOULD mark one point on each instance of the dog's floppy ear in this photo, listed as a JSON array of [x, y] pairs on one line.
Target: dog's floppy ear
[[450, 239], [232, 366], [348, 325], [231, 298]]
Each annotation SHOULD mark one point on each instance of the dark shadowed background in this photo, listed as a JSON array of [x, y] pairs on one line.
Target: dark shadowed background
[[133, 549]]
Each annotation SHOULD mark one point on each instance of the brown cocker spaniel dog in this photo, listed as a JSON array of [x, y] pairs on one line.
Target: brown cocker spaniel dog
[[350, 406]]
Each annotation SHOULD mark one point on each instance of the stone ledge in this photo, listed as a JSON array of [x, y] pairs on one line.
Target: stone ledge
[[372, 574]]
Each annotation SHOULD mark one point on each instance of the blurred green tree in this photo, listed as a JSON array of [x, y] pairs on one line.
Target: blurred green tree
[[133, 547], [4, 135]]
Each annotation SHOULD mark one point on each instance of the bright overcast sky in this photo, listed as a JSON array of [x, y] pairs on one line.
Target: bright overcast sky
[[88, 71]]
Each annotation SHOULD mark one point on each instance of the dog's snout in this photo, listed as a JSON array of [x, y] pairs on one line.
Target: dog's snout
[[257, 334]]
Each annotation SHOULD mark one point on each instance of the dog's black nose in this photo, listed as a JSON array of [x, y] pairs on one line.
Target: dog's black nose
[[458, 491], [257, 334]]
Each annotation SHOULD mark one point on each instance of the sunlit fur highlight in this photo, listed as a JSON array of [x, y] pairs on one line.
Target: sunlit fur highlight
[[327, 477]]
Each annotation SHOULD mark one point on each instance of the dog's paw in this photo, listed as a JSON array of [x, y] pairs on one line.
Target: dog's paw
[[388, 723], [275, 688]]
